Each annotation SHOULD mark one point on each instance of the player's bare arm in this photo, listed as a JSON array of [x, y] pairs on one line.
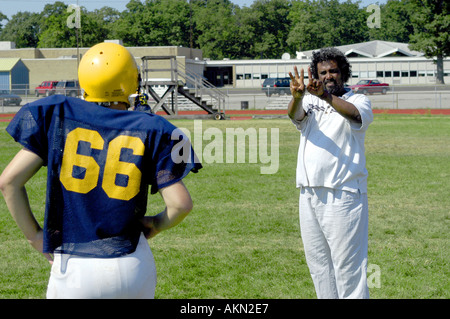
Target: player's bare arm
[[178, 205], [12, 185], [295, 109]]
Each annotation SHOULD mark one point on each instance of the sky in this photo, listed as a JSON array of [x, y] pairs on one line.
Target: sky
[[11, 7]]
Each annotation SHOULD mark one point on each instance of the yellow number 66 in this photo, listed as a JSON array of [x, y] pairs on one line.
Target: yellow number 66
[[113, 165]]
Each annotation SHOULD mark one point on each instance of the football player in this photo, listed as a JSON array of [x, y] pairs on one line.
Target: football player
[[101, 160]]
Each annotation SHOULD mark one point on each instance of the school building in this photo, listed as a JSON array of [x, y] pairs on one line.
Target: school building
[[390, 62]]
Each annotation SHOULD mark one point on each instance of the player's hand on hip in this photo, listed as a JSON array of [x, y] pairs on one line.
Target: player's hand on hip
[[314, 87], [38, 243], [149, 226], [297, 83]]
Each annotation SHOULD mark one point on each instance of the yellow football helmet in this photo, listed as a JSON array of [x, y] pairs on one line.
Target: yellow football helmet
[[108, 73]]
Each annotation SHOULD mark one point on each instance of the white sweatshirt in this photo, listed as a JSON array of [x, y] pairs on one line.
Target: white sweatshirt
[[331, 151]]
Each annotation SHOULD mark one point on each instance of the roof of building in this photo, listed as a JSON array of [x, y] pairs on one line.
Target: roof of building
[[7, 64], [371, 49]]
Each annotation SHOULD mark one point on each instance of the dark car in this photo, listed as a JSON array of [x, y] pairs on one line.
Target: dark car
[[6, 98], [46, 88], [370, 86], [68, 88], [279, 86]]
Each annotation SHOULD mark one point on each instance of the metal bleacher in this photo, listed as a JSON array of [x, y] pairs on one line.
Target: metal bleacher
[[173, 88]]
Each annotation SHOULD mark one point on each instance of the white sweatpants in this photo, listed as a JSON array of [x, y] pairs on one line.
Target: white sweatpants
[[334, 231], [131, 276]]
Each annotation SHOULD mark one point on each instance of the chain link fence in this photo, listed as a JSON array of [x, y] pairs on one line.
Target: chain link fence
[[395, 98], [431, 97]]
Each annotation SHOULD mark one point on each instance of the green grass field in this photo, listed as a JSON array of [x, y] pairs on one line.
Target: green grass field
[[242, 239]]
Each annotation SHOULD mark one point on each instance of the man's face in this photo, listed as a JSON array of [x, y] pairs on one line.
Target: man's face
[[330, 75]]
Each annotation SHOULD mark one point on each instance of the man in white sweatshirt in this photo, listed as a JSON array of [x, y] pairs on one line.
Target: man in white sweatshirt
[[331, 175]]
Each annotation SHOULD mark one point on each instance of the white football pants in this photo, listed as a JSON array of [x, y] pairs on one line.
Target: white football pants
[[131, 276], [334, 231]]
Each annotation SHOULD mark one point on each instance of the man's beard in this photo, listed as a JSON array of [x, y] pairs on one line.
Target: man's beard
[[336, 89]]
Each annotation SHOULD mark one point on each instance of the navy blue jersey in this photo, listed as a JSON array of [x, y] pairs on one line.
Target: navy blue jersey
[[100, 165]]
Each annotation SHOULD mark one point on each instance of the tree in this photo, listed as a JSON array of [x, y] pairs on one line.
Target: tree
[[95, 26], [245, 47], [23, 29], [131, 24], [2, 17], [396, 23], [56, 32], [271, 27], [431, 21], [169, 23], [215, 28], [323, 23], [154, 23], [106, 15]]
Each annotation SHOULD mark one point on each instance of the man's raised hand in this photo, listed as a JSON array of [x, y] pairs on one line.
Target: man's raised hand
[[315, 87], [297, 84]]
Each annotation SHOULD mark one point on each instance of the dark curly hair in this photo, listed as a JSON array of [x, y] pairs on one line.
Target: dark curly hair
[[328, 54]]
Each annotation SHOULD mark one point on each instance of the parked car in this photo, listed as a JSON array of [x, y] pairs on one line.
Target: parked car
[[68, 88], [6, 98], [46, 88], [276, 86], [370, 86]]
